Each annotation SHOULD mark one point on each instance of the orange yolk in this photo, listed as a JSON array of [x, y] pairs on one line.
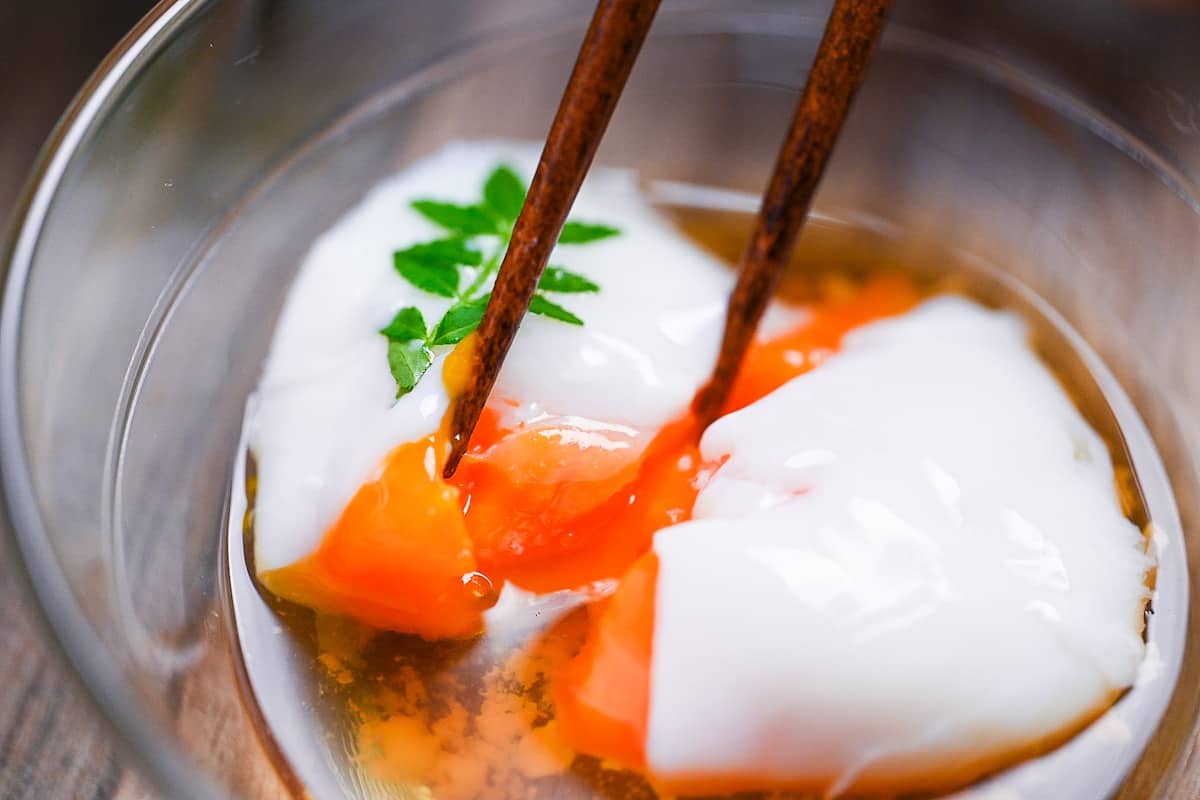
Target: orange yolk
[[602, 696], [556, 504], [399, 557], [563, 507]]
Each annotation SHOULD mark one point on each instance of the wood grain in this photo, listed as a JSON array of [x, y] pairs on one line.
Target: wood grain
[[606, 58], [52, 745], [837, 71]]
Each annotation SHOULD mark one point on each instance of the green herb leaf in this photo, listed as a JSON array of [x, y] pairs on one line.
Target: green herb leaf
[[433, 266], [439, 280], [429, 275], [459, 321], [408, 324], [540, 305], [584, 232], [408, 362], [449, 252], [437, 267], [558, 279], [504, 193], [466, 220]]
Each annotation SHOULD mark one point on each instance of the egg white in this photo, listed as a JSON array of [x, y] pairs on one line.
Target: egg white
[[912, 558]]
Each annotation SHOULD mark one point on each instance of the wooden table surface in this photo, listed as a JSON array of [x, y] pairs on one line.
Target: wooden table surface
[[52, 745]]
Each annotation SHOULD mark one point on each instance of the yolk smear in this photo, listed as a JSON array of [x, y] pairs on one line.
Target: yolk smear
[[562, 507], [399, 557], [770, 364], [602, 696]]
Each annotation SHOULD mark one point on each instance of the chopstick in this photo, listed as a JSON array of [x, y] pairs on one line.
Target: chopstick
[[605, 60], [839, 67]]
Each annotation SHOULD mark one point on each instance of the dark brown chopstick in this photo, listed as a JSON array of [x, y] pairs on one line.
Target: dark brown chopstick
[[605, 60], [837, 71]]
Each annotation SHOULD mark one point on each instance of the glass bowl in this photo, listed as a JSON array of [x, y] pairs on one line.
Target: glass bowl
[[170, 208]]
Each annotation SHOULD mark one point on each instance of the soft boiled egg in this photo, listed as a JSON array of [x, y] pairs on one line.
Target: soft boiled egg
[[909, 569], [896, 563]]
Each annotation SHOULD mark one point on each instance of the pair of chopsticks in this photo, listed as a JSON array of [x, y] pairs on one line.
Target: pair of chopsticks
[[605, 60]]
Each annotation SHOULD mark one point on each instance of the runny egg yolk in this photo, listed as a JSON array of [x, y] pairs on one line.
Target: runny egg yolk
[[563, 507], [567, 504], [560, 504]]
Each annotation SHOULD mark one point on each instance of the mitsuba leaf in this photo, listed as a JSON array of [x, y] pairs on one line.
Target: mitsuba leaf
[[436, 267], [504, 193], [408, 324], [439, 279], [540, 305], [408, 362], [433, 266], [558, 279], [460, 320], [450, 252], [466, 220], [584, 232]]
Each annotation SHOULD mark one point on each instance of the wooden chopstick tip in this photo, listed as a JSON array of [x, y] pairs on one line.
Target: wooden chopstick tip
[[607, 56], [836, 73]]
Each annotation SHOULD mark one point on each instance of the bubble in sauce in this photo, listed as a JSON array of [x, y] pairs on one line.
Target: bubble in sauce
[[480, 588]]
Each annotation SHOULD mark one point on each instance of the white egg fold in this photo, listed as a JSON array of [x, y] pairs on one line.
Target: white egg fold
[[911, 565]]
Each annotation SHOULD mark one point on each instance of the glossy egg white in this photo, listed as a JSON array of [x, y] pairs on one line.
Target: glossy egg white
[[912, 557]]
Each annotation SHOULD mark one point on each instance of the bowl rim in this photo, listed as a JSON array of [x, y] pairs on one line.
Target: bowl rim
[[72, 637]]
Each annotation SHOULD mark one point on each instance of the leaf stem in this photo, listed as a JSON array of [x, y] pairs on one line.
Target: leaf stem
[[488, 270], [436, 267]]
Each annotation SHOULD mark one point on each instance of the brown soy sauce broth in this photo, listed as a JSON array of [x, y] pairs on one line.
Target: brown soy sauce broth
[[394, 716], [351, 711]]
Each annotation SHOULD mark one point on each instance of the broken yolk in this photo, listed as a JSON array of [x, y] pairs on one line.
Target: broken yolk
[[564, 507], [560, 503], [399, 557]]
